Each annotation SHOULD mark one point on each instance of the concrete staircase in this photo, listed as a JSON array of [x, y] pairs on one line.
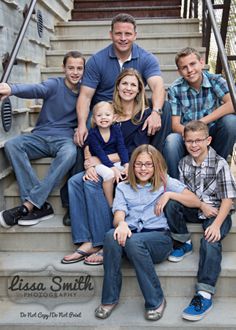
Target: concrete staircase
[[37, 291]]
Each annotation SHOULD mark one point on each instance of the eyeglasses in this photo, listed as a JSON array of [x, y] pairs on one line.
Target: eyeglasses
[[198, 141], [140, 165]]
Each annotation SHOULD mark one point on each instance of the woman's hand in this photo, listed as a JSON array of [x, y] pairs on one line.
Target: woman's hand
[[121, 233], [161, 203], [91, 175], [91, 162]]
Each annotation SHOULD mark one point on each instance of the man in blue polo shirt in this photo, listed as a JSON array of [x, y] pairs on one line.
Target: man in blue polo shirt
[[103, 68]]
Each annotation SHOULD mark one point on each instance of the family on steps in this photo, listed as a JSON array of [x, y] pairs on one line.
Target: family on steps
[[167, 159]]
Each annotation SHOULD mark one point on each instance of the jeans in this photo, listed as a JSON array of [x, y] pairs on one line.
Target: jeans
[[21, 149], [143, 250], [159, 138], [223, 138], [210, 254], [77, 168], [90, 213]]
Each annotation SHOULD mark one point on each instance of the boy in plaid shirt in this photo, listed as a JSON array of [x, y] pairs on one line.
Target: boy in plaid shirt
[[207, 175]]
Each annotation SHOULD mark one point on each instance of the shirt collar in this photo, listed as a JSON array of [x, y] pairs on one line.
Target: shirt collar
[[185, 85], [134, 52], [209, 161]]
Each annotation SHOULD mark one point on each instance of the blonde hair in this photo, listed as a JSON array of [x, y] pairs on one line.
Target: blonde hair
[[159, 177], [141, 102], [185, 52], [196, 126], [98, 106]]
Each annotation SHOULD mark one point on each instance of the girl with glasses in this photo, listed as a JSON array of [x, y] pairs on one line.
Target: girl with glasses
[[140, 230]]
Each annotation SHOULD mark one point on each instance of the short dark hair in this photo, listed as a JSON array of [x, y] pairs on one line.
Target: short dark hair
[[196, 126], [74, 54], [123, 18], [185, 52]]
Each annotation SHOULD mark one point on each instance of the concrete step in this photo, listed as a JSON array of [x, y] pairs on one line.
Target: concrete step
[[128, 315], [177, 279], [165, 56], [57, 237], [143, 26], [152, 40]]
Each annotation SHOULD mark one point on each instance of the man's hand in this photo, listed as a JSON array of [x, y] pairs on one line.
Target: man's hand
[[81, 134], [91, 175], [153, 123], [212, 233], [5, 91]]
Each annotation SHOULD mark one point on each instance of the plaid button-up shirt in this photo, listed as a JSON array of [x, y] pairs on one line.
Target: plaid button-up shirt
[[211, 181], [191, 104]]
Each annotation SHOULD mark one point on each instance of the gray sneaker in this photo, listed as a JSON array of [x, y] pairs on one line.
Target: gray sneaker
[[37, 215]]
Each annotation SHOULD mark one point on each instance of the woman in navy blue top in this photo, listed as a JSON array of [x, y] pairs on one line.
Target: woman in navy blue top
[[90, 212]]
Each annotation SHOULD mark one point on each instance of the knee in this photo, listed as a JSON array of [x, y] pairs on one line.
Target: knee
[[210, 247], [109, 240], [172, 206], [173, 141], [228, 122]]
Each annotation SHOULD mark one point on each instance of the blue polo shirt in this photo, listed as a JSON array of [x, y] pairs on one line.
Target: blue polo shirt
[[103, 68]]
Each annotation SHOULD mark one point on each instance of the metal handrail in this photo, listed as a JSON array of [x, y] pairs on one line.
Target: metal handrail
[[190, 10], [16, 47], [223, 56]]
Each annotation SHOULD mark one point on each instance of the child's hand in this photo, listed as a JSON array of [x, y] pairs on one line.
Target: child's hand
[[161, 203], [121, 233], [208, 210], [91, 175], [117, 174], [91, 161], [212, 233], [124, 173]]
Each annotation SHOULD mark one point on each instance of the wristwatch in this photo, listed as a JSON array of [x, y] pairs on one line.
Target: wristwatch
[[159, 111]]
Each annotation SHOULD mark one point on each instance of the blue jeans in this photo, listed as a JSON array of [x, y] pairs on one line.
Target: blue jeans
[[210, 253], [23, 148], [223, 138], [90, 213], [143, 250]]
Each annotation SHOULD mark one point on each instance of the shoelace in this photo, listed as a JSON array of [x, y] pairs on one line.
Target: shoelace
[[197, 302]]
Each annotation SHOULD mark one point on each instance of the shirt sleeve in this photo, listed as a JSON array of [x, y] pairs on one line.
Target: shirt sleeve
[[121, 148], [120, 203], [220, 86], [151, 67], [174, 185], [174, 102], [30, 91], [91, 76], [226, 186]]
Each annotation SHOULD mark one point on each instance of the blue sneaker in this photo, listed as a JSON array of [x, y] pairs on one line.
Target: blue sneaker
[[179, 253], [198, 308]]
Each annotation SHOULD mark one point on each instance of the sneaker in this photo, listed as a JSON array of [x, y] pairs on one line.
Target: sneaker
[[37, 215], [198, 308], [9, 218], [179, 253]]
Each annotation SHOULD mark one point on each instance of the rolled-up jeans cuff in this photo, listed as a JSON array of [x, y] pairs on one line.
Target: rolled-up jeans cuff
[[205, 287], [181, 237]]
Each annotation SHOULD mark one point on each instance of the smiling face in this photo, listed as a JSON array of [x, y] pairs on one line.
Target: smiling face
[[73, 70], [197, 145], [123, 35], [190, 68], [103, 115], [143, 168], [128, 88]]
